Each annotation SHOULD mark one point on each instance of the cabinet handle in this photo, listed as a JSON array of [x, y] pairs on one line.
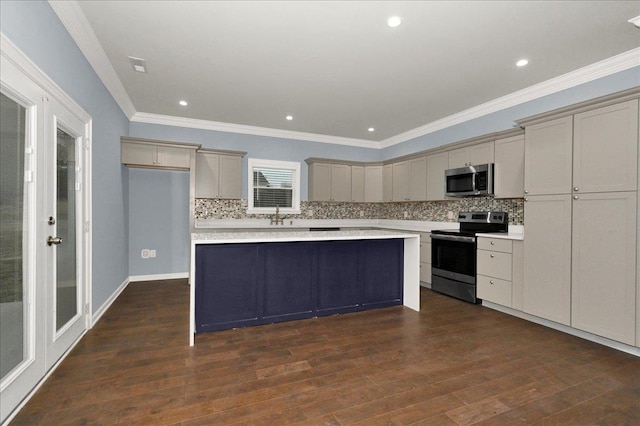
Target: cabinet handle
[[575, 197], [576, 189], [526, 199], [491, 282], [526, 192], [492, 243], [491, 255]]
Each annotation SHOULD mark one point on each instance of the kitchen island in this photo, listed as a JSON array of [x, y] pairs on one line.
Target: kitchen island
[[251, 278]]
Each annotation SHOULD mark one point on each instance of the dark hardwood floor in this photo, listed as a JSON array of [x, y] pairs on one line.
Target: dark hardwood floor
[[451, 364]]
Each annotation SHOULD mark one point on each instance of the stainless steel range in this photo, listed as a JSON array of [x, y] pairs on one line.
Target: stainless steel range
[[453, 253]]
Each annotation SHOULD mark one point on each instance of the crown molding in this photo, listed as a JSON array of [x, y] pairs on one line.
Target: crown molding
[[583, 75], [76, 23], [169, 120], [11, 52]]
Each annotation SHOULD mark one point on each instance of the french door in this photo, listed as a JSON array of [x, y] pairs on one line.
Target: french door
[[43, 243]]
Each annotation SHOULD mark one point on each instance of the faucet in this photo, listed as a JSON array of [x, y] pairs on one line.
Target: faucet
[[277, 220]]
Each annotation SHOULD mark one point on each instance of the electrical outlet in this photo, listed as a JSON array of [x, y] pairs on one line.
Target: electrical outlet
[[450, 215], [361, 213], [406, 215], [144, 253], [309, 212], [152, 253]]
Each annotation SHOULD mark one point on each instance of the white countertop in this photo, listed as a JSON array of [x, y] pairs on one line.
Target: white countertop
[[288, 236], [516, 232]]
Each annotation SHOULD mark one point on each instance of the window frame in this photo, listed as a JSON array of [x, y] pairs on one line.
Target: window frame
[[274, 164]]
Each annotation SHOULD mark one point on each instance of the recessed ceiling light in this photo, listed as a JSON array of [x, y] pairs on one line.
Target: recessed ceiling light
[[183, 103], [138, 64], [394, 21], [522, 63], [371, 129], [289, 117]]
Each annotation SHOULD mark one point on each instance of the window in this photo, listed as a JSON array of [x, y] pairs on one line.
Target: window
[[273, 184]]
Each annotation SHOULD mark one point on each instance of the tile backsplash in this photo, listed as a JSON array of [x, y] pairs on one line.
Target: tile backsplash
[[437, 211]]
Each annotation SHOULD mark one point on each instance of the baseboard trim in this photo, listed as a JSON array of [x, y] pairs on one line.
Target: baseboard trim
[[156, 277], [564, 328], [107, 304]]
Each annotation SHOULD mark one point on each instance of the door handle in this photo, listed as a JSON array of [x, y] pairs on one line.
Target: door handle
[[54, 240]]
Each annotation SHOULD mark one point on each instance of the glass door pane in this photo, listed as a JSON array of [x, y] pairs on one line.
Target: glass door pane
[[66, 284], [12, 235]]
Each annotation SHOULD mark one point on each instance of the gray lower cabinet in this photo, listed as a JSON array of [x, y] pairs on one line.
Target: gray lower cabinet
[[425, 257]]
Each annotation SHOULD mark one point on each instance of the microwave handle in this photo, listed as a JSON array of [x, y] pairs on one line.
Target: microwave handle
[[473, 182]]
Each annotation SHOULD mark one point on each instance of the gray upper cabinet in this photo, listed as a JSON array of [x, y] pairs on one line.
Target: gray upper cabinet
[[436, 165], [329, 182], [605, 149], [548, 157], [372, 183], [471, 155], [410, 180], [400, 181], [218, 174], [156, 154], [357, 184], [387, 182], [509, 167]]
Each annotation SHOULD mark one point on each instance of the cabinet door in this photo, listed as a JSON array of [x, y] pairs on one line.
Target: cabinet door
[[372, 184], [287, 280], [418, 179], [340, 182], [548, 157], [509, 167], [605, 149], [604, 265], [401, 181], [169, 156], [357, 184], [387, 182], [230, 176], [482, 153], [138, 154], [320, 182], [207, 175], [436, 166], [381, 270], [224, 297], [547, 258], [458, 158], [338, 284]]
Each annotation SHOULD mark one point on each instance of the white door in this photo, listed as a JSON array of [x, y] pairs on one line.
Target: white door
[[66, 313], [22, 337], [43, 288]]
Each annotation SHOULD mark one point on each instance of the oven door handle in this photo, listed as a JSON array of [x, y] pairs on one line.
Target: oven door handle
[[460, 238]]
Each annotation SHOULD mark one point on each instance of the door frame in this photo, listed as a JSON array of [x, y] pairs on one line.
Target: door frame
[[25, 69]]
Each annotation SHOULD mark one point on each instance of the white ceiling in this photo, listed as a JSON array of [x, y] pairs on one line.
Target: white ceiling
[[336, 66]]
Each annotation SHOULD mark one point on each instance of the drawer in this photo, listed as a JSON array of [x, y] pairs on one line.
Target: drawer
[[494, 290], [495, 244], [425, 272], [425, 252], [494, 264]]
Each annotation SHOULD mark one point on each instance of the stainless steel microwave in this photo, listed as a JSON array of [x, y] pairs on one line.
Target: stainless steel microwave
[[470, 181]]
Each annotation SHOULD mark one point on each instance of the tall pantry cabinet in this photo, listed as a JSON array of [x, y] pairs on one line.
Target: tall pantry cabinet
[[581, 183]]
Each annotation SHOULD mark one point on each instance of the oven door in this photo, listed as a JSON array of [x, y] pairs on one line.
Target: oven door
[[454, 257]]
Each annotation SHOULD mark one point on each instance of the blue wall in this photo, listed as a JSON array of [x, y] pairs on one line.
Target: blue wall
[[159, 206], [505, 119], [262, 147], [37, 31]]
